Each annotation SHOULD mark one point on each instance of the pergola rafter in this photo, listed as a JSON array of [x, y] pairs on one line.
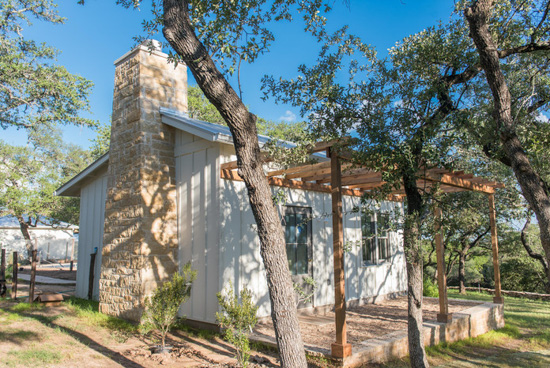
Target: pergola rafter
[[338, 174]]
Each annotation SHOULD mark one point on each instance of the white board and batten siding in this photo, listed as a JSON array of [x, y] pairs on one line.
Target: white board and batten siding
[[218, 234], [197, 182], [368, 281], [92, 220], [242, 266]]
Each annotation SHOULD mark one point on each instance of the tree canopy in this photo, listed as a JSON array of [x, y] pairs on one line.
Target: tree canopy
[[34, 91], [31, 174]]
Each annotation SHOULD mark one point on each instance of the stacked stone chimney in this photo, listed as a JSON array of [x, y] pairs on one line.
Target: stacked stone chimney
[[140, 236]]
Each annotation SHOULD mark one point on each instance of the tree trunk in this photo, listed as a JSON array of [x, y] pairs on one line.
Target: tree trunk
[[462, 273], [414, 262], [180, 34], [24, 226], [532, 186]]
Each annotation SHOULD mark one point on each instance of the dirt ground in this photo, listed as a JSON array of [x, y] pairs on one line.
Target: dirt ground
[[364, 322], [51, 271], [58, 273], [57, 336]]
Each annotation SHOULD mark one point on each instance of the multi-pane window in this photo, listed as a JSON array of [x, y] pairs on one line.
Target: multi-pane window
[[375, 237], [297, 223]]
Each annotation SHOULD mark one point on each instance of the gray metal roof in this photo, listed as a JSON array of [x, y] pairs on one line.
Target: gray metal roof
[[205, 130], [72, 187], [178, 120]]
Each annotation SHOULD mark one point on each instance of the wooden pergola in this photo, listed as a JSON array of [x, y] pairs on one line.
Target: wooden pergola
[[338, 175]]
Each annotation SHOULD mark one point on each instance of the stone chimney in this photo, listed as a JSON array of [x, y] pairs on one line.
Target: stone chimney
[[140, 242]]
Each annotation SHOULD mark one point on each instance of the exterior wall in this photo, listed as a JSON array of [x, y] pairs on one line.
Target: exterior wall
[[241, 263], [197, 175], [92, 218], [371, 281], [140, 237], [57, 243], [240, 260]]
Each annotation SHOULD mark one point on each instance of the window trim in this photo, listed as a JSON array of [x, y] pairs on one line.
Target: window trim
[[308, 212], [375, 238]]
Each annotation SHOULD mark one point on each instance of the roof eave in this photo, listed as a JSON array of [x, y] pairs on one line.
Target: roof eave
[[73, 186]]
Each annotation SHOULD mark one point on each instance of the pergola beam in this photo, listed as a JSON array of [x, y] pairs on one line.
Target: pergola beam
[[365, 178], [324, 146], [460, 183], [293, 184], [301, 168]]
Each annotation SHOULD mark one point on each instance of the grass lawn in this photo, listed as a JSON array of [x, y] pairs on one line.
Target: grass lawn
[[75, 334], [523, 342]]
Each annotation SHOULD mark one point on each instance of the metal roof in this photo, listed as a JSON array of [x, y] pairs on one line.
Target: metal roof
[[72, 187], [209, 131], [179, 120]]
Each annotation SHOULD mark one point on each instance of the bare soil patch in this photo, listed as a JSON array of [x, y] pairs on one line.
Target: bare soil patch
[[23, 290], [51, 271], [364, 322], [57, 336]]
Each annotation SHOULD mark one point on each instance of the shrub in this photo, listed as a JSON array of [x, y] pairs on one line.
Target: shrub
[[238, 320], [162, 308], [430, 288], [305, 291]]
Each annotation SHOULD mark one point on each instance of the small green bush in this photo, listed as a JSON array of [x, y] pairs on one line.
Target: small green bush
[[238, 320], [162, 308], [305, 291], [430, 288]]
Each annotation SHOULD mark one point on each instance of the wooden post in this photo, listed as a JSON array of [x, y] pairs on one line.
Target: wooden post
[[443, 316], [3, 289], [72, 265], [340, 348], [14, 276], [33, 276], [494, 242], [91, 276], [48, 252], [72, 249]]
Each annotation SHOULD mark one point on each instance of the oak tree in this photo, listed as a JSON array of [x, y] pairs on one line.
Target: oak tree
[[34, 91], [29, 176], [512, 40]]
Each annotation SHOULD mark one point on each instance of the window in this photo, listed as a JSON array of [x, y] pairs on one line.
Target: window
[[297, 223], [375, 237]]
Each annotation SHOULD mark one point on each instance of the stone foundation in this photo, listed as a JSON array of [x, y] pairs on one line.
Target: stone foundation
[[140, 241]]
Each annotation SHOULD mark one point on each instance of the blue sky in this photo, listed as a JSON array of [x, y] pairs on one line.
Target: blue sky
[[96, 34]]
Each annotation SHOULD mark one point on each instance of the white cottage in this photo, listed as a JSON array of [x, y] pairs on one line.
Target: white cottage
[[165, 195]]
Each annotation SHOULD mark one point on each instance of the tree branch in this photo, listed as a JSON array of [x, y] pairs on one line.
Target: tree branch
[[531, 47], [528, 248]]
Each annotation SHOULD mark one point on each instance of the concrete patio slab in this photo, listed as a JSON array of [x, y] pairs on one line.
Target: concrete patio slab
[[470, 322]]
